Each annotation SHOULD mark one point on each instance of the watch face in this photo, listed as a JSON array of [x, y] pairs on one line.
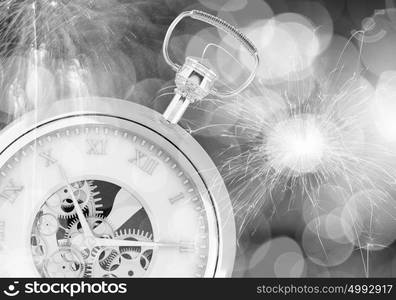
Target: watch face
[[98, 196]]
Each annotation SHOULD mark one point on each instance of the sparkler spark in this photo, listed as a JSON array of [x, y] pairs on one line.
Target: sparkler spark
[[292, 152], [297, 144], [292, 138], [290, 144]]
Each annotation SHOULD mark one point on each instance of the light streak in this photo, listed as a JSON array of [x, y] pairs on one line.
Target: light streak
[[56, 49]]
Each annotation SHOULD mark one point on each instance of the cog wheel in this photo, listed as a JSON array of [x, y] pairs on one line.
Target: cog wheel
[[65, 262], [132, 235], [101, 259], [106, 257], [132, 261], [131, 264], [122, 261], [47, 224], [110, 275], [99, 225], [74, 234], [61, 202]]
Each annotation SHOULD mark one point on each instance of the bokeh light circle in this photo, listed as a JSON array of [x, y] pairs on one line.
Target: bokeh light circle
[[326, 241], [372, 216]]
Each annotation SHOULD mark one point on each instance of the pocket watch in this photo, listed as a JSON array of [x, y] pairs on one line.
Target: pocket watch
[[101, 187]]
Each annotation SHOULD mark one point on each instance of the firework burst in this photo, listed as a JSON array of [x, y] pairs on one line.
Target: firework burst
[[64, 27], [291, 150], [56, 49], [302, 138]]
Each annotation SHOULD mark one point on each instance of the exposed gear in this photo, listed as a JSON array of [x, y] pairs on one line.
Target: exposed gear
[[132, 235], [75, 237], [47, 224], [110, 275], [94, 259], [101, 259], [106, 257], [68, 252], [65, 262], [61, 202], [122, 261], [99, 225]]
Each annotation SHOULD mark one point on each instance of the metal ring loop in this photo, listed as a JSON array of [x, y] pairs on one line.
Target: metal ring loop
[[227, 28]]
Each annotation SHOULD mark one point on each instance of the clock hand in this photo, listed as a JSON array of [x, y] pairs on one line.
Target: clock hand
[[83, 221], [126, 243]]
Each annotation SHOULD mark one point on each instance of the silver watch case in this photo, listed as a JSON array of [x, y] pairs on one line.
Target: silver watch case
[[177, 136]]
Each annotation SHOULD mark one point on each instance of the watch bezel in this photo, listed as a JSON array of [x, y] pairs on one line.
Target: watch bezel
[[151, 119]]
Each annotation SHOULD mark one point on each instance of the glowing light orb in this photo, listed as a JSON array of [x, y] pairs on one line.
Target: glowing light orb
[[289, 264], [287, 49], [279, 257], [297, 144]]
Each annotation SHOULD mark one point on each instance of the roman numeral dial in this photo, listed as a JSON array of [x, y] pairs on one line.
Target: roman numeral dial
[[131, 185]]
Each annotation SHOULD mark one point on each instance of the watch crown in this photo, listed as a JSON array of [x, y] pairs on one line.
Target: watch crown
[[194, 81]]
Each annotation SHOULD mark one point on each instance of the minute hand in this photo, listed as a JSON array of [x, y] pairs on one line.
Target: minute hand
[[126, 243]]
